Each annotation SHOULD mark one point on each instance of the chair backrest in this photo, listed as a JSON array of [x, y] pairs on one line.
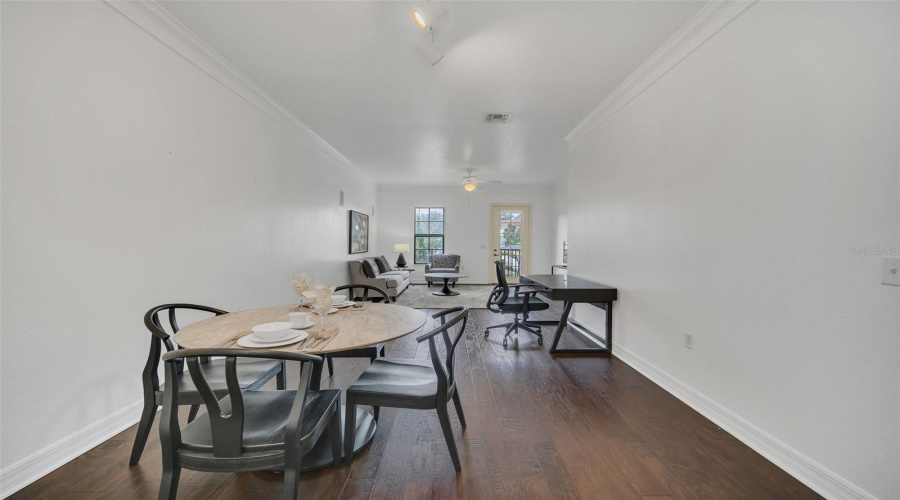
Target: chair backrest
[[227, 429], [365, 292], [441, 260], [500, 292], [445, 368], [160, 337]]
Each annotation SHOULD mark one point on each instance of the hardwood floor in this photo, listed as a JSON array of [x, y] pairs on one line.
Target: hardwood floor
[[538, 427]]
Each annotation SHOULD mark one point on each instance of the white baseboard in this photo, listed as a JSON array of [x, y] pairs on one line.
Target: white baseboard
[[804, 469], [28, 470]]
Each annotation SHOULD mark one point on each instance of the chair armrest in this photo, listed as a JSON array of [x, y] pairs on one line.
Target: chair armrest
[[529, 292], [242, 353], [427, 267]]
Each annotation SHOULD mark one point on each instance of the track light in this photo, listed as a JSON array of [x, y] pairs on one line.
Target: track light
[[429, 50], [431, 16]]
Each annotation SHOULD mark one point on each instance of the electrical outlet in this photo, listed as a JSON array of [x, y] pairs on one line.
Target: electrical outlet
[[688, 341], [890, 271]]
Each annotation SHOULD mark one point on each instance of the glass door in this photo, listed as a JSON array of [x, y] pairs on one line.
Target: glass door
[[510, 240]]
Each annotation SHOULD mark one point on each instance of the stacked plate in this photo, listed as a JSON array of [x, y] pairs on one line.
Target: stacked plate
[[272, 335]]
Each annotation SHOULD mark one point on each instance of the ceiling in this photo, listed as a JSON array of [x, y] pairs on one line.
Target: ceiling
[[350, 71]]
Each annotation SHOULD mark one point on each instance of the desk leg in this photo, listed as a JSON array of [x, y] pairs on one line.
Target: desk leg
[[564, 321]]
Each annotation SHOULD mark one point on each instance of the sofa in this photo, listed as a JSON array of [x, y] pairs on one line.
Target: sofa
[[392, 282], [442, 263]]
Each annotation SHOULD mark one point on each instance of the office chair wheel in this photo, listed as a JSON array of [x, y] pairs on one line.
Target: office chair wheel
[[540, 341], [486, 333], [504, 342]]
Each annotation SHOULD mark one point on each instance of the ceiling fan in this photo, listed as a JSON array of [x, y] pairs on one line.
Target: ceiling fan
[[470, 182]]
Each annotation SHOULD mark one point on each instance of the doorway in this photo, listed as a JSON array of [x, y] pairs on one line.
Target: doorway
[[510, 240]]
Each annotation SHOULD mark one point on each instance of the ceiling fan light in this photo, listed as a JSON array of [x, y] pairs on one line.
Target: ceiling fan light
[[419, 19], [470, 187]]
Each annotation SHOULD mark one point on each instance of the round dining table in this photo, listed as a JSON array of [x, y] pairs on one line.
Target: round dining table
[[369, 325]]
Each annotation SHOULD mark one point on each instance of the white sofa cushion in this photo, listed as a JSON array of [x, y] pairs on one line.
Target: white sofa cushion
[[393, 280]]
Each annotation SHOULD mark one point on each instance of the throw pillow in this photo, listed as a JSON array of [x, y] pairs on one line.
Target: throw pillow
[[383, 265], [368, 269]]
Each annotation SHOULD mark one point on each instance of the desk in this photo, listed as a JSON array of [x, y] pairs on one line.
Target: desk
[[570, 290]]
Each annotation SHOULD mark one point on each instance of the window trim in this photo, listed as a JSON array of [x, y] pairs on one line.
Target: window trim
[[442, 236]]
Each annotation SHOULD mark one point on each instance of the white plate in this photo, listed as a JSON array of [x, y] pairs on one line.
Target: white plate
[[344, 304], [289, 334], [307, 325], [248, 341]]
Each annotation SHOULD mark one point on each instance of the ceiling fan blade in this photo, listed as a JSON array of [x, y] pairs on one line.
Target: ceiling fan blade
[[488, 182]]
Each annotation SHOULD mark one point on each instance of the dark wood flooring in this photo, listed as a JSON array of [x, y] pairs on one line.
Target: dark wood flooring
[[538, 427]]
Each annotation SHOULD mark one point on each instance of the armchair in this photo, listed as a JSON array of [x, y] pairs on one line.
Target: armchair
[[442, 263]]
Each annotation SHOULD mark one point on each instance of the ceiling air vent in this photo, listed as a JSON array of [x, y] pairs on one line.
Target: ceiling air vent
[[496, 118]]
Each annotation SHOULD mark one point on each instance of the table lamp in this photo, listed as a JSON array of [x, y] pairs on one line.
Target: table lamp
[[400, 248]]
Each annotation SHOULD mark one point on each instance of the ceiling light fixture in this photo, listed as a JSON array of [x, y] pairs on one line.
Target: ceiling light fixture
[[419, 20], [431, 15], [470, 187]]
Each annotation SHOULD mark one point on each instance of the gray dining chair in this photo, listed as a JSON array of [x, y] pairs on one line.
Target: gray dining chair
[[245, 430], [413, 383], [510, 299], [364, 295], [252, 373]]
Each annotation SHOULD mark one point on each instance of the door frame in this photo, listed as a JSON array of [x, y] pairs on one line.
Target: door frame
[[494, 236]]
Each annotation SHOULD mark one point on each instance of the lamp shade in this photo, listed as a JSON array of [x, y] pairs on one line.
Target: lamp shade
[[401, 247]]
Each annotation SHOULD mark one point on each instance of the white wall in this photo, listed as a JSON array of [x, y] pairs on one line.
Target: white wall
[[130, 179], [467, 227], [560, 221], [724, 201]]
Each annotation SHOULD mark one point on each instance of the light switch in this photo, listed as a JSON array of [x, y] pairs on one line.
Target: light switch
[[890, 271]]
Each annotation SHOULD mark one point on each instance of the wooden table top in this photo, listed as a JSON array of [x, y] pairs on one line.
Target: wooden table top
[[376, 324]]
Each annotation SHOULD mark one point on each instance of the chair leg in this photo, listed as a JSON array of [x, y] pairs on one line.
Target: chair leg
[[444, 417], [143, 431], [349, 429], [193, 413], [334, 427], [459, 411], [291, 486], [375, 411], [281, 378], [330, 366], [168, 484], [382, 351]]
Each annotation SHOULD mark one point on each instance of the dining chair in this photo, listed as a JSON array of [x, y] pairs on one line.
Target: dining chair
[[501, 301], [252, 374], [244, 430], [413, 383], [363, 352]]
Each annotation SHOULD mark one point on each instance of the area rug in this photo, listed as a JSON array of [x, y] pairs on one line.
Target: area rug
[[420, 297]]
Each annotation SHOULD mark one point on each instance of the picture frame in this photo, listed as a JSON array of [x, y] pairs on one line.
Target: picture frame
[[358, 232]]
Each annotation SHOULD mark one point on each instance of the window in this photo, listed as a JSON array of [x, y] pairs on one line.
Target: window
[[429, 233]]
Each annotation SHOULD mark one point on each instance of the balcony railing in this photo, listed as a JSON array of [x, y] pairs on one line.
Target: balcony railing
[[511, 258]]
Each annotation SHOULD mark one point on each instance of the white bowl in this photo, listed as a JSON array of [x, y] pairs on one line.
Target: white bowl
[[273, 331], [338, 299]]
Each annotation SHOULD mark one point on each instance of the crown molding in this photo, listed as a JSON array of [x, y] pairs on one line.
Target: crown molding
[[714, 16], [159, 23]]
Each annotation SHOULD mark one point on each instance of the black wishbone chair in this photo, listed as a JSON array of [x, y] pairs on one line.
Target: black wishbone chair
[[245, 430], [362, 352], [413, 383], [501, 301], [252, 374]]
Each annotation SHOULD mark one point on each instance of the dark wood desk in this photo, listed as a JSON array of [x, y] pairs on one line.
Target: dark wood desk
[[570, 290]]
